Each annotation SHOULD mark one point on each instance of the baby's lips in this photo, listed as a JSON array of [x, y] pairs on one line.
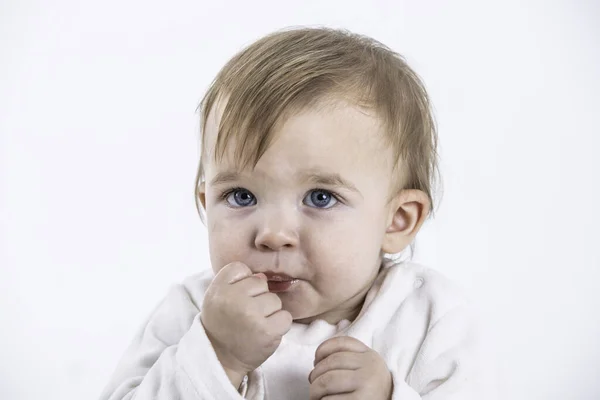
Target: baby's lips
[[261, 276]]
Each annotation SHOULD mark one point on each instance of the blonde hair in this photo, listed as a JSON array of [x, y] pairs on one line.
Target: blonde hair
[[292, 69]]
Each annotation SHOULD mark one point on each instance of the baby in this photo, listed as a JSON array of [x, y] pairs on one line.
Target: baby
[[317, 166]]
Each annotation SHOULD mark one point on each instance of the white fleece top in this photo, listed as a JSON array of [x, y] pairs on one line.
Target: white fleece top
[[413, 317]]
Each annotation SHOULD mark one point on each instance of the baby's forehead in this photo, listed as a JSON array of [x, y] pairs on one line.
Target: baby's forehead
[[322, 146], [329, 117]]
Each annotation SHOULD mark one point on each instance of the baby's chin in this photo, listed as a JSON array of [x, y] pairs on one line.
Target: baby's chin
[[306, 306], [302, 311]]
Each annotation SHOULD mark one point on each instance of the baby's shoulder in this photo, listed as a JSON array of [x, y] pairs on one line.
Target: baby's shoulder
[[174, 314], [428, 287], [196, 285]]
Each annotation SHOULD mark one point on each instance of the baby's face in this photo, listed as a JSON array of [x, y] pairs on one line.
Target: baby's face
[[314, 209]]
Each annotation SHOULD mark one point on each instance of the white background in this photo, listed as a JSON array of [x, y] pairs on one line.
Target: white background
[[99, 147]]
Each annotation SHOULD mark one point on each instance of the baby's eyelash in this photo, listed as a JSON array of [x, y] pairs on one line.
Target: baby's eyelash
[[224, 194], [227, 192], [335, 195]]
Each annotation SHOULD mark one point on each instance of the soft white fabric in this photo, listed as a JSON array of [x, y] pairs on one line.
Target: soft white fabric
[[413, 317]]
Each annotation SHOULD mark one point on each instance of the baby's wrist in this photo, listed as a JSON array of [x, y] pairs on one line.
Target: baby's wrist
[[234, 372], [235, 377]]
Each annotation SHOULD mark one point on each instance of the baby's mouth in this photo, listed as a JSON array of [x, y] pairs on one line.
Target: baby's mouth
[[279, 283]]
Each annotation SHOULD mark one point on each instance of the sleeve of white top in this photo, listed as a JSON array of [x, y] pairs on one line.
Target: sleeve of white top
[[171, 357], [450, 363]]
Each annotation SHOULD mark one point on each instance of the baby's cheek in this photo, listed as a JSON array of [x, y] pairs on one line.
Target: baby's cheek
[[359, 259], [225, 246], [344, 272]]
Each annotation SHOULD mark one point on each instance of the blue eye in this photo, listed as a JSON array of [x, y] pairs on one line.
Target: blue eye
[[240, 198], [319, 198]]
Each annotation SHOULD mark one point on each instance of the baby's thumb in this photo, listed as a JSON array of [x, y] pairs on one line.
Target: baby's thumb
[[260, 275], [233, 272]]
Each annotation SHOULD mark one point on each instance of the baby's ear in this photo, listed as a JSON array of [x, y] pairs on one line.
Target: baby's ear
[[202, 194], [408, 210]]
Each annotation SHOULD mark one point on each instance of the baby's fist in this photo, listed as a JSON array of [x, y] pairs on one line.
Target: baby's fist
[[242, 319], [348, 369]]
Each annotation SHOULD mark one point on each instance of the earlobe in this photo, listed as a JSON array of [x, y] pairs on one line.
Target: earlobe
[[408, 211]]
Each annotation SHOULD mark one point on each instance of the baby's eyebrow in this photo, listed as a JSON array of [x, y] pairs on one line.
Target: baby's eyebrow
[[329, 179], [225, 177], [314, 177]]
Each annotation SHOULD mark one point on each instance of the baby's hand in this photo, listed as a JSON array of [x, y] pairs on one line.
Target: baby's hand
[[243, 320], [345, 368]]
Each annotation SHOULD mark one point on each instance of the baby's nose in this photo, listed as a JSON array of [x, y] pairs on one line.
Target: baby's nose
[[276, 233]]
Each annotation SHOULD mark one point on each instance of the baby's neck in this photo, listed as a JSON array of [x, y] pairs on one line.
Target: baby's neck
[[333, 317]]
